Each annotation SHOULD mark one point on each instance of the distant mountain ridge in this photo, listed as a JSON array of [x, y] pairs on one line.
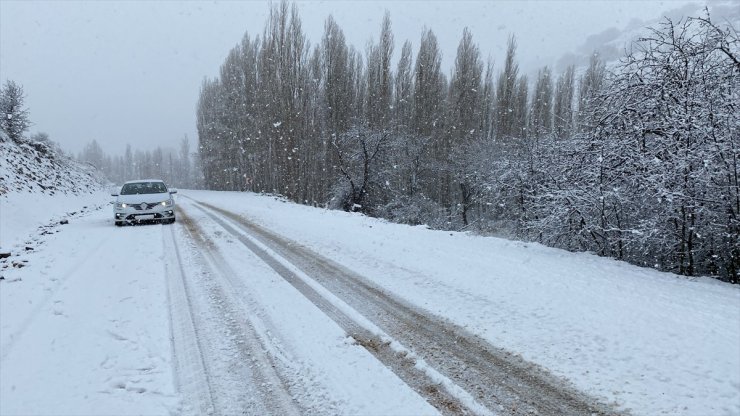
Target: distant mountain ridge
[[37, 167], [610, 44]]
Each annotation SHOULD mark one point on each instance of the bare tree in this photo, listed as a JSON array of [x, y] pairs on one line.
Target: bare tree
[[540, 115], [466, 122], [506, 92], [563, 105]]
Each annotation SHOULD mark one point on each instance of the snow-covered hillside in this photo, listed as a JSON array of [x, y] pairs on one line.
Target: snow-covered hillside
[[39, 185]]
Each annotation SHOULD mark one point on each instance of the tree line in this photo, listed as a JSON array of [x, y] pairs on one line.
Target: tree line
[[637, 161], [178, 168]]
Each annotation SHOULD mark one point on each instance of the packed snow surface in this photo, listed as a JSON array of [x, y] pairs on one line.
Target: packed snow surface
[[652, 342], [84, 325]]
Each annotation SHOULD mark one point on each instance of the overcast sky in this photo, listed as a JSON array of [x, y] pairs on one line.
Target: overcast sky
[[130, 71]]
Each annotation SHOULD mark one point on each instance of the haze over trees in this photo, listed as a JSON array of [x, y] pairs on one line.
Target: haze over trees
[[637, 162], [178, 168]]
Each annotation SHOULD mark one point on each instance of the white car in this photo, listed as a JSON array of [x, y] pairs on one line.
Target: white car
[[146, 200]]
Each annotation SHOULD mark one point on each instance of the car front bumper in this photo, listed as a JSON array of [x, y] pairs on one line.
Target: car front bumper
[[132, 215]]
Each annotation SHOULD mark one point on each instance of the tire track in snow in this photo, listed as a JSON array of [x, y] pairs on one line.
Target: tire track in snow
[[243, 375], [191, 377], [493, 377], [435, 387]]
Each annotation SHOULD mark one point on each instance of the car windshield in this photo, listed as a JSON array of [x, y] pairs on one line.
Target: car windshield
[[143, 188]]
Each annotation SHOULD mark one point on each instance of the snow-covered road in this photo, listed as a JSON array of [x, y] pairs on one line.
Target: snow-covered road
[[452, 369], [84, 326], [249, 304], [266, 349], [86, 329]]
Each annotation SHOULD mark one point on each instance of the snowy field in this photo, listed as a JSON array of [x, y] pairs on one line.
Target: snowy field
[[85, 326]]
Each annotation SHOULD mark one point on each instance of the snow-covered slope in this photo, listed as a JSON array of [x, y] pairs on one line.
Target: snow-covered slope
[[39, 185], [37, 168]]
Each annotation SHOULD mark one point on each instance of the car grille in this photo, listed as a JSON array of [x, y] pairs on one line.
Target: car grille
[[144, 205]]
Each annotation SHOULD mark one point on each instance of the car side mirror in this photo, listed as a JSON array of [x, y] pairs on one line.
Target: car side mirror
[[173, 191], [113, 194]]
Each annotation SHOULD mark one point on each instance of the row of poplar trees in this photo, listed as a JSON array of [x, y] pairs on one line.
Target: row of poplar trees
[[638, 161]]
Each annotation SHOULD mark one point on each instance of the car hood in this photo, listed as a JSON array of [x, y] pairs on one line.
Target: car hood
[[139, 198]]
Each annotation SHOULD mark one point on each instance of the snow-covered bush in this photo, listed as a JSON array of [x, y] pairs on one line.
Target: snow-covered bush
[[655, 179]]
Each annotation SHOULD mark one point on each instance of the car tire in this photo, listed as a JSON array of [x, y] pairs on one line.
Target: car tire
[[119, 223]]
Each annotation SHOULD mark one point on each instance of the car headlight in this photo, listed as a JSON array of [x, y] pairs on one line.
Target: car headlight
[[167, 203], [120, 205]]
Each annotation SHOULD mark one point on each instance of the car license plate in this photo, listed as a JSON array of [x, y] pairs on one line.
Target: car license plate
[[145, 217]]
